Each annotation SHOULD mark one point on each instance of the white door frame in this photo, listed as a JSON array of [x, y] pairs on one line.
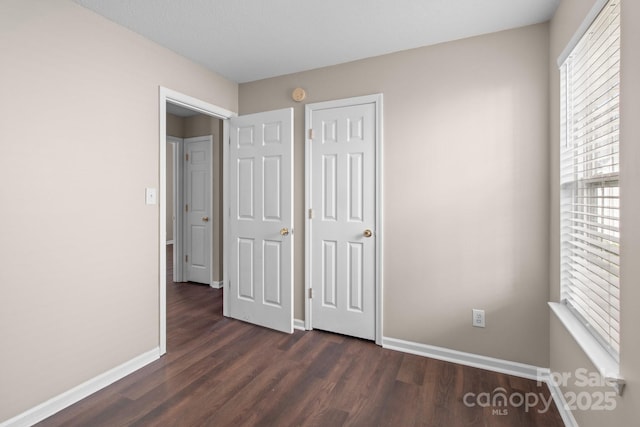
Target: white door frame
[[168, 95], [375, 99], [177, 202]]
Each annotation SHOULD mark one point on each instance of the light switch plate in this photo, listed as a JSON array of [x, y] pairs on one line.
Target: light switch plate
[[151, 196]]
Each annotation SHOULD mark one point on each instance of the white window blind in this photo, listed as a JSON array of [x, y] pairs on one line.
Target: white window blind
[[590, 193]]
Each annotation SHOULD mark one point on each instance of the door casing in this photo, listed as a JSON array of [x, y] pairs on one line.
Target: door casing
[[375, 99], [177, 202]]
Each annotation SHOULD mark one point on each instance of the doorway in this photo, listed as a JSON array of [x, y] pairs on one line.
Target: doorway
[[194, 180], [263, 141], [167, 96]]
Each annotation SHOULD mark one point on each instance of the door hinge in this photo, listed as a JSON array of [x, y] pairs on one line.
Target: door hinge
[[186, 157], [310, 133], [310, 213], [186, 258], [310, 293], [186, 207]]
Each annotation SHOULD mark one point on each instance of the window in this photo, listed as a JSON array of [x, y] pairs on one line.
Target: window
[[590, 193]]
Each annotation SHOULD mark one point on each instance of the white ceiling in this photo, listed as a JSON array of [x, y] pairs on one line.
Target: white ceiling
[[246, 40]]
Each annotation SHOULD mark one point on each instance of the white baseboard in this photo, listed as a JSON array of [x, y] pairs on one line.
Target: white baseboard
[[217, 285], [169, 242], [561, 403], [69, 397], [489, 363], [469, 359], [298, 324]]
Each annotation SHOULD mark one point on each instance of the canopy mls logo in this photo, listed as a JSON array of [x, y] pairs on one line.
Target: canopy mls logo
[[500, 401]]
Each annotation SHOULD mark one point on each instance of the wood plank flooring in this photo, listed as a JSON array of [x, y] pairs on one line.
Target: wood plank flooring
[[223, 372]]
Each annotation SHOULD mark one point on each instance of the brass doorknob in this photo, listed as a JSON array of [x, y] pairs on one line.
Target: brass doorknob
[[368, 233], [205, 219], [284, 231]]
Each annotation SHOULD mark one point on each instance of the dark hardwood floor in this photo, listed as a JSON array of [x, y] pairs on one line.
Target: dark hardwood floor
[[223, 372]]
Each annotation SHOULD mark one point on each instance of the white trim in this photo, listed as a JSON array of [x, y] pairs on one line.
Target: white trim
[[178, 155], [542, 375], [377, 100], [379, 216], [169, 242], [195, 104], [225, 214], [69, 397], [582, 29], [217, 284], [558, 398], [178, 201], [298, 324], [307, 222], [162, 206], [603, 361], [168, 95], [468, 359]]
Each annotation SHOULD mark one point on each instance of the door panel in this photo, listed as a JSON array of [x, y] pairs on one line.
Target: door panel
[[329, 278], [272, 188], [246, 284], [343, 163], [245, 189], [272, 273], [261, 219], [197, 235], [355, 277]]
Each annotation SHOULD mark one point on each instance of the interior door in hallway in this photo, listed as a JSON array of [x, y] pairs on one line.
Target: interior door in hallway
[[197, 199], [342, 158]]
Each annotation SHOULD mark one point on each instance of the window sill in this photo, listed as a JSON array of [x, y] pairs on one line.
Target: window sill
[[608, 367]]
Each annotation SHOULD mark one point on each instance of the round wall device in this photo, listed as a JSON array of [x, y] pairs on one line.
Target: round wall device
[[298, 94]]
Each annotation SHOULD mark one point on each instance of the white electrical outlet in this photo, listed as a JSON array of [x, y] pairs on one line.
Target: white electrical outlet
[[478, 318]]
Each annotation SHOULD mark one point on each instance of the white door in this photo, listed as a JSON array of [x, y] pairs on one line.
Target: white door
[[342, 160], [260, 284], [197, 209]]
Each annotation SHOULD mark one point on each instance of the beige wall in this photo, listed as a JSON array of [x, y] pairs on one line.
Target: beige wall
[[79, 247], [202, 125], [565, 355], [465, 183], [175, 126]]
